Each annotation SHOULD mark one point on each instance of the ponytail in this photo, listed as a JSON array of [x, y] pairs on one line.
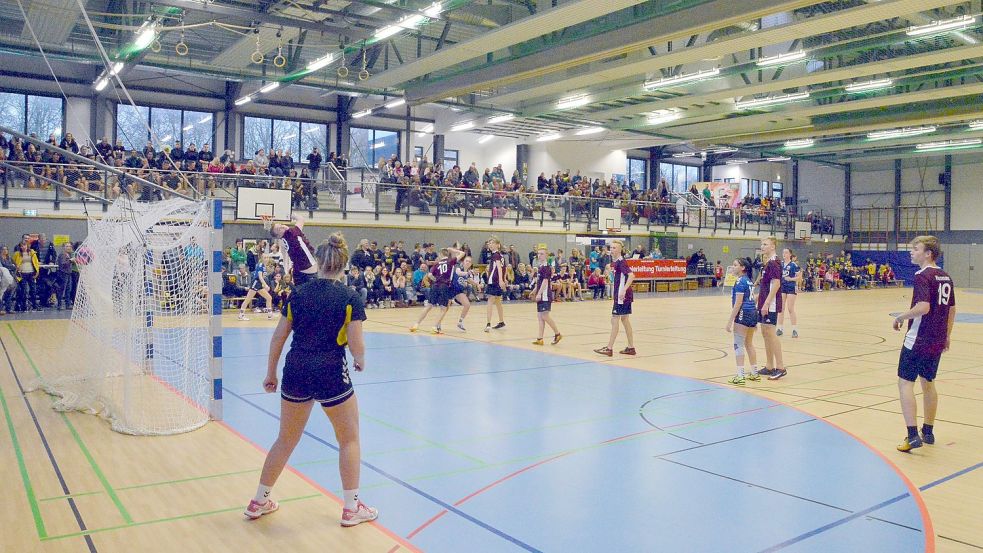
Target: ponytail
[[332, 254]]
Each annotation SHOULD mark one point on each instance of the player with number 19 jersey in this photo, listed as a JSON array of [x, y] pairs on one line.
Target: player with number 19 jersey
[[927, 334]]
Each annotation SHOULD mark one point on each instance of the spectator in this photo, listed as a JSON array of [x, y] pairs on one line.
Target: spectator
[[28, 270]]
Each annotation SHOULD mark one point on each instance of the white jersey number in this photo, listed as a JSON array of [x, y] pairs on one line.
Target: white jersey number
[[945, 292]]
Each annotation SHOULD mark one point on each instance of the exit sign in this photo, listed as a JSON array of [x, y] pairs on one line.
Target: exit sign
[[30, 213]]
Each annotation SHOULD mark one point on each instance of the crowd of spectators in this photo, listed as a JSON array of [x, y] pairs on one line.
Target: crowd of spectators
[[34, 274]]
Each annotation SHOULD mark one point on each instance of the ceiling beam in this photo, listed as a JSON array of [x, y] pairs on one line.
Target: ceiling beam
[[348, 29]]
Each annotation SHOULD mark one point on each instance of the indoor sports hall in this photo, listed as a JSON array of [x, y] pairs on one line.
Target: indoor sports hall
[[550, 276]]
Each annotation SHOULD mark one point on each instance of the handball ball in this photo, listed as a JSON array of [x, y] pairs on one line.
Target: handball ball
[[83, 256]]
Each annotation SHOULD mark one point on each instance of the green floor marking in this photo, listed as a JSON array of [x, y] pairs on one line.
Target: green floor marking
[[22, 466]]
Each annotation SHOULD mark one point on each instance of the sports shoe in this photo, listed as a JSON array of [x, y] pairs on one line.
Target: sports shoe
[[779, 332], [499, 325], [255, 509], [437, 330], [928, 438], [538, 342], [359, 515], [488, 328], [766, 371], [460, 326], [738, 380], [777, 374], [605, 351], [795, 334], [242, 316], [627, 351], [910, 443], [269, 315], [753, 377], [556, 338], [414, 328]]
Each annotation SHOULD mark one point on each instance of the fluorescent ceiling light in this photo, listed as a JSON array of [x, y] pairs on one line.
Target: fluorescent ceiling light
[[205, 119], [949, 144], [387, 32], [320, 63], [486, 138], [691, 154], [462, 126], [771, 100], [781, 58], [723, 150], [411, 21], [870, 85], [102, 83], [395, 103], [117, 67], [572, 102], [801, 143], [269, 87], [433, 11], [244, 100], [549, 136], [680, 79], [737, 162], [942, 26], [780, 158], [145, 35], [662, 116], [976, 125], [501, 118], [361, 114], [900, 133], [590, 130], [188, 127]]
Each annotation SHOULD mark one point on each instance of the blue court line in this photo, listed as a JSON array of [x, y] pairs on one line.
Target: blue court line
[[945, 479], [414, 489]]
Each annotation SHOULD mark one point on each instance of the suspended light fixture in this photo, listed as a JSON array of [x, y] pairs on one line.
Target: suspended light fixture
[[463, 126], [321, 62], [680, 79], [900, 133], [145, 35], [801, 143], [590, 130], [548, 137], [870, 85], [942, 26], [433, 11], [722, 150], [685, 154], [737, 162], [425, 130], [976, 125], [486, 138], [396, 103], [662, 116], [361, 114], [780, 158], [101, 83], [501, 118], [117, 67], [949, 145], [243, 100], [572, 102], [771, 101], [781, 59], [269, 87]]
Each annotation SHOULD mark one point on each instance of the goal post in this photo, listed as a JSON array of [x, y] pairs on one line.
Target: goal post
[[144, 345]]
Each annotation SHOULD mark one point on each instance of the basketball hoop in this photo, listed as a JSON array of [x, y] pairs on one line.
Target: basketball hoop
[[267, 221]]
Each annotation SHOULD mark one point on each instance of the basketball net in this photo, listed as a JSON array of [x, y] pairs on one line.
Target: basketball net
[[267, 221]]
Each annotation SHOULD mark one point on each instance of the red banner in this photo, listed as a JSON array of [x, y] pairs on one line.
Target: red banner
[[645, 269]]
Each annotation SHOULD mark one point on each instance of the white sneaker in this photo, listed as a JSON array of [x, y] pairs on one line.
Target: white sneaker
[[255, 509], [460, 325], [361, 514], [242, 316]]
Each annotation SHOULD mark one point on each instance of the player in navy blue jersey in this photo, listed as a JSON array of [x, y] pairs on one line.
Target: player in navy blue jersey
[[791, 278], [459, 287], [743, 319], [496, 286], [930, 320], [543, 294], [441, 294], [261, 286], [325, 317], [622, 277]]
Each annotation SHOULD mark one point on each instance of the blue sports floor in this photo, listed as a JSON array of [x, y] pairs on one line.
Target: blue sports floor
[[475, 447]]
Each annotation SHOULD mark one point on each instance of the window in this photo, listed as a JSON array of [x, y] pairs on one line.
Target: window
[[286, 135], [756, 187], [637, 172], [28, 114], [692, 175], [417, 153], [297, 137], [679, 178], [745, 187], [451, 158], [312, 135], [777, 189], [368, 145], [257, 135], [168, 126]]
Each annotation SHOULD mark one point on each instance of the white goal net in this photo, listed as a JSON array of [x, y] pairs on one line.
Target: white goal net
[[139, 348]]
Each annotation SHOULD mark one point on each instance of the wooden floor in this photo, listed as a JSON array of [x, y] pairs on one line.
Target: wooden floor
[[154, 494]]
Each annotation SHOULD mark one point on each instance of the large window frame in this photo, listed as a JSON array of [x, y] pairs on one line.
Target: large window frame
[[637, 166], [178, 128], [299, 136], [19, 105], [451, 158], [679, 178], [357, 157]]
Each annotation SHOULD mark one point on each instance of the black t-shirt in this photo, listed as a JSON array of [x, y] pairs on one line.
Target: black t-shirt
[[320, 311]]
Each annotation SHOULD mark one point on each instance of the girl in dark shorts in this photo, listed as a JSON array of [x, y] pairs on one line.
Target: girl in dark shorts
[[743, 319], [325, 316], [544, 299], [622, 277]]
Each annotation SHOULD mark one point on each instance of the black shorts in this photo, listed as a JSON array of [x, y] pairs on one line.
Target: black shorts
[[256, 285], [789, 289], [544, 306], [494, 290], [621, 309], [301, 278], [315, 376], [770, 319], [747, 317], [441, 295], [912, 365]]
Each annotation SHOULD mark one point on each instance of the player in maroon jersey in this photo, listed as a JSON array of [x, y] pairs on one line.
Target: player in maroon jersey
[[622, 277], [302, 261], [441, 292], [496, 287], [769, 306], [932, 314], [544, 299]]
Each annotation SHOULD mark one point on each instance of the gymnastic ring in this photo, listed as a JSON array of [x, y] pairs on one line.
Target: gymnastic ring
[[342, 71], [155, 46], [181, 48], [363, 74], [257, 57], [279, 61]]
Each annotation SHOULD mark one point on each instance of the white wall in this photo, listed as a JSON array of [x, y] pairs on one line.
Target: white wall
[[764, 170], [78, 119], [821, 188], [967, 193], [590, 158], [498, 150]]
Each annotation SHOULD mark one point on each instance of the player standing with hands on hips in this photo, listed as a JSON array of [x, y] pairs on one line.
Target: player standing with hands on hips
[[769, 306], [325, 316], [622, 277], [930, 320]]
